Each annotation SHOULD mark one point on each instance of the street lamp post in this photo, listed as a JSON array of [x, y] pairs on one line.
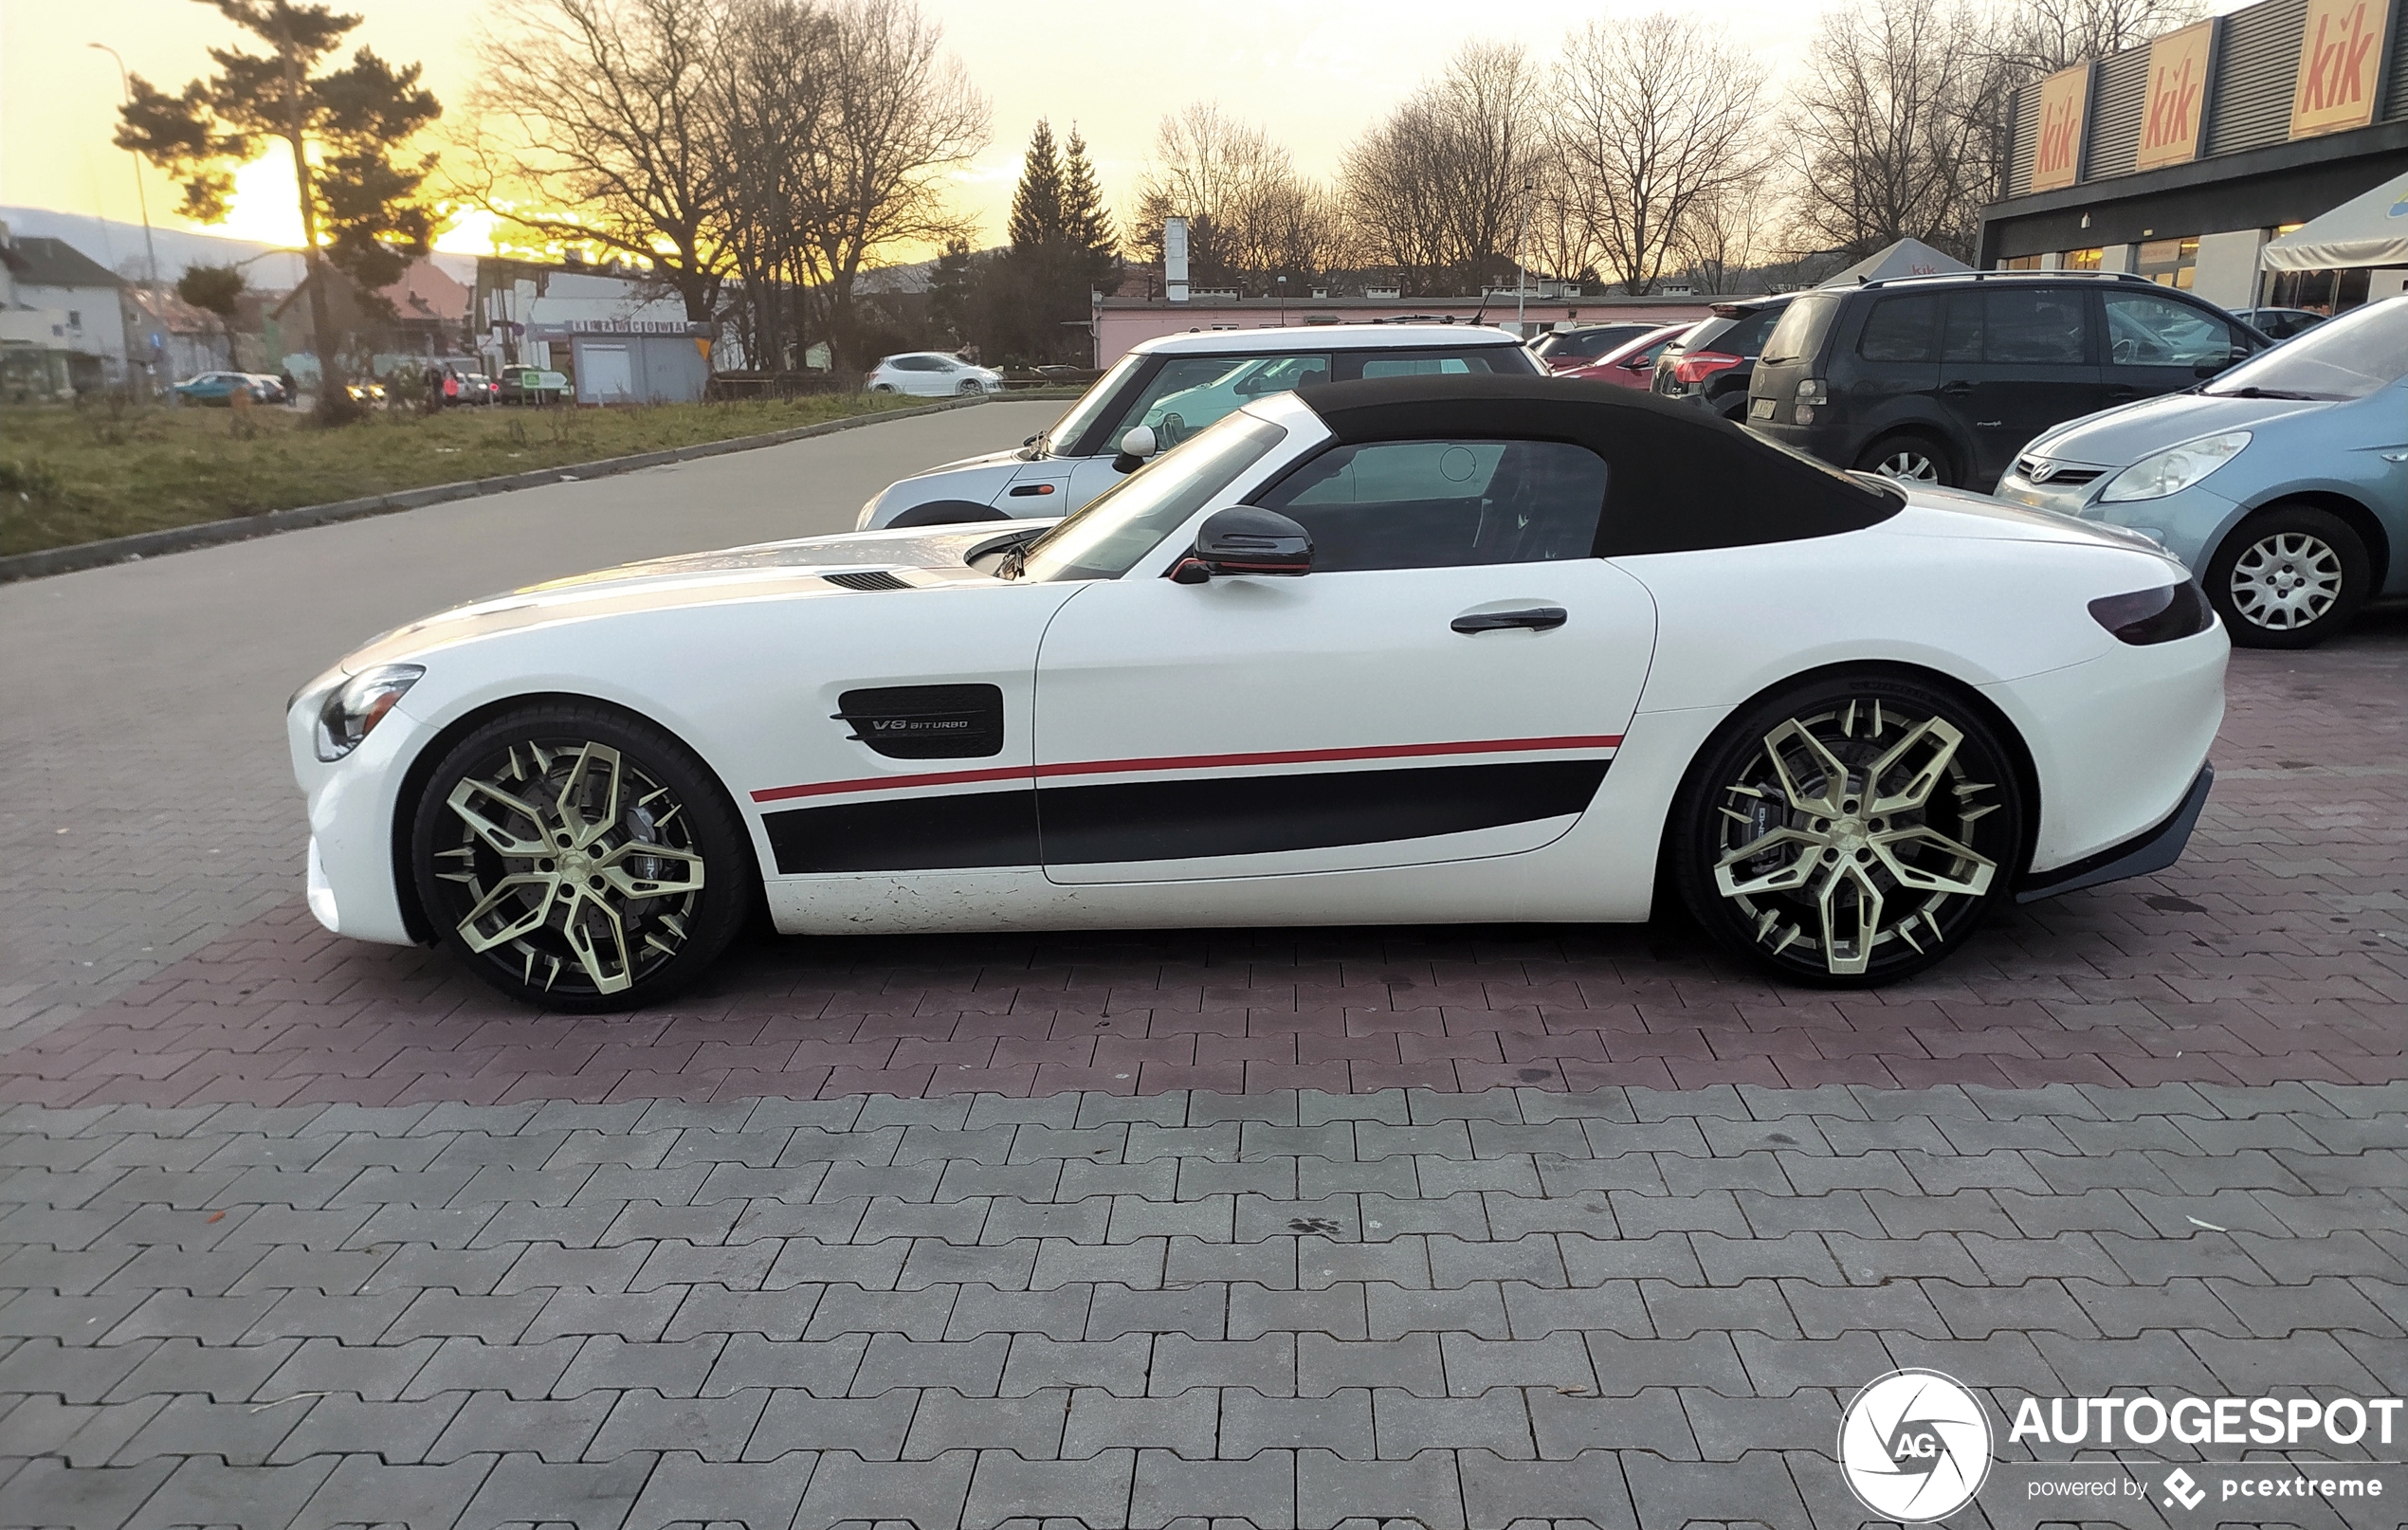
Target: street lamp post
[[142, 197], [1521, 261], [1281, 283]]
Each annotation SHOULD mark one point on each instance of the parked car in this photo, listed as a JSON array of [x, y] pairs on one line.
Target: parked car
[[532, 385], [1941, 379], [931, 375], [1710, 363], [1431, 648], [1166, 390], [2280, 323], [269, 388], [2284, 482], [221, 387], [1562, 349], [1632, 364], [476, 387]]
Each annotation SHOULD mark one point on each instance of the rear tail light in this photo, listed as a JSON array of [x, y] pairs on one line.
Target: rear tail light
[[2160, 615], [1697, 366], [1813, 391]]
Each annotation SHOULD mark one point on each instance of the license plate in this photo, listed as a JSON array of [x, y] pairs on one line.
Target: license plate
[[1759, 409]]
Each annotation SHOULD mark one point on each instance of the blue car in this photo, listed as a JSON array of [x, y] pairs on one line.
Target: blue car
[[2282, 483]]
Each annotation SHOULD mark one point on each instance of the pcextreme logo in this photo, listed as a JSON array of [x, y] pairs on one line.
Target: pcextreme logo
[[1915, 1446]]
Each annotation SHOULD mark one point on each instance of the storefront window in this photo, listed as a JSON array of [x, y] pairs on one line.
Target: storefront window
[[2082, 259], [2319, 292], [2020, 263], [2170, 263]]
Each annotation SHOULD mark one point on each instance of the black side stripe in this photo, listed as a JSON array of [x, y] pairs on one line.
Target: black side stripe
[[1176, 820]]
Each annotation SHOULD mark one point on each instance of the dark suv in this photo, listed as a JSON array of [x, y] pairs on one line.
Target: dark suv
[[1943, 379], [1710, 364]]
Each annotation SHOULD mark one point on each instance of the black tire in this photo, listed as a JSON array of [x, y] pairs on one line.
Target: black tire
[[1770, 907], [545, 916], [946, 513], [1912, 457], [2289, 576]]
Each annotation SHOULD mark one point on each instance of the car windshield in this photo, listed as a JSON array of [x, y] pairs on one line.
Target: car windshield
[[1082, 414], [2349, 356], [1105, 539], [1190, 394]]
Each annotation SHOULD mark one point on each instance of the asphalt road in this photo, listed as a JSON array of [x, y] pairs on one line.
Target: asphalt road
[[146, 806]]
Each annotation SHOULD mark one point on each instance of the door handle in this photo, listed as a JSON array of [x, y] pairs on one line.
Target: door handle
[[1955, 390], [2395, 456], [1537, 619]]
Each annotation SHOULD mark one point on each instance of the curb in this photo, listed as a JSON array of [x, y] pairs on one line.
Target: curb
[[144, 544]]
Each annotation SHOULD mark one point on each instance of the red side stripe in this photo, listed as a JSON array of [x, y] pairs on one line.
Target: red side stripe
[[1188, 762]]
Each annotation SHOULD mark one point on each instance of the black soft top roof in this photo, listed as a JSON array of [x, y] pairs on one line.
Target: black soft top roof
[[1681, 477]]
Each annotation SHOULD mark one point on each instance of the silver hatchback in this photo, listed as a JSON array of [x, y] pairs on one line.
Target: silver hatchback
[[2283, 482]]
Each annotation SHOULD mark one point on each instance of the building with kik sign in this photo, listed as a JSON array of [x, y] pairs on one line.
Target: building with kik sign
[[2182, 159]]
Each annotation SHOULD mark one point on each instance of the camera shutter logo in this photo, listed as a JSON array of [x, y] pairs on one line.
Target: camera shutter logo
[[1915, 1446]]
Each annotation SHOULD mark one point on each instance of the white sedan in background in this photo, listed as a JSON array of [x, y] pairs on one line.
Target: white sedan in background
[[932, 374], [1426, 649]]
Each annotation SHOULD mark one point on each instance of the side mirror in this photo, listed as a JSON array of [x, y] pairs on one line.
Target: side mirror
[[1136, 445], [1245, 540]]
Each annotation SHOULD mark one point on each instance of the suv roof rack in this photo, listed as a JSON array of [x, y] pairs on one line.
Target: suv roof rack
[[2010, 276]]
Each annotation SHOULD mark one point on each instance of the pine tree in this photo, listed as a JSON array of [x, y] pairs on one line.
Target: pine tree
[[1036, 205], [1083, 218], [362, 204], [949, 291]]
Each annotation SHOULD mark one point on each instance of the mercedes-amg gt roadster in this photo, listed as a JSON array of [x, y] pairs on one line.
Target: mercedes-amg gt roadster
[[1424, 649]]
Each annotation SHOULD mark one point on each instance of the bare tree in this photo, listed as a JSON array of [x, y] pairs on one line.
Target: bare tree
[[1725, 233], [1655, 116], [770, 98], [1893, 126], [1436, 188], [1250, 215], [594, 123], [2039, 37], [902, 116]]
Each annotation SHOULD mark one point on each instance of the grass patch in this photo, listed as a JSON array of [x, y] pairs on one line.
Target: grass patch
[[70, 475]]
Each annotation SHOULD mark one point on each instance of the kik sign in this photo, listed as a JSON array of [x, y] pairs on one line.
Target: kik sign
[[2065, 101], [2340, 52], [2178, 97]]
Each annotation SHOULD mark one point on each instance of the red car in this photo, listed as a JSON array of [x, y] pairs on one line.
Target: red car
[[1632, 364], [1564, 350]]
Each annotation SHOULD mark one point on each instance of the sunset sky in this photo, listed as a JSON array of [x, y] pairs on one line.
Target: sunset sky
[[1313, 71]]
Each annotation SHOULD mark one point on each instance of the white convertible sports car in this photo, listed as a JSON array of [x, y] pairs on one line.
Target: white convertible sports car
[[1415, 649]]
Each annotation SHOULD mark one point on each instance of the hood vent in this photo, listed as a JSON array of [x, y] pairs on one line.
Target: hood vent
[[868, 580]]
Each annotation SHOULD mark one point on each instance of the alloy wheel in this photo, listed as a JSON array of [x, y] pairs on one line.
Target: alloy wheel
[[1851, 835], [1910, 465], [2286, 581], [569, 867]]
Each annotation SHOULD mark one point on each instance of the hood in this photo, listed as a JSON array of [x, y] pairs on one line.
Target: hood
[[2122, 436], [763, 569], [1008, 457], [1936, 512]]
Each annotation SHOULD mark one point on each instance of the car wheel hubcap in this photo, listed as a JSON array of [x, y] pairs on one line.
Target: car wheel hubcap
[[2286, 581], [1913, 467], [1848, 833], [577, 870]]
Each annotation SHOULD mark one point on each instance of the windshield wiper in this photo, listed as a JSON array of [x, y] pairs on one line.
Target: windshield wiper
[[1015, 562], [2254, 391]]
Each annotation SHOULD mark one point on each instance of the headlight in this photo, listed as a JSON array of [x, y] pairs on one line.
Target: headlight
[[2154, 478], [356, 705]]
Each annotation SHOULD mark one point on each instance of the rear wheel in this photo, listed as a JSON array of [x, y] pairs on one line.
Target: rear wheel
[[1849, 831], [579, 857], [2291, 577], [1911, 458]]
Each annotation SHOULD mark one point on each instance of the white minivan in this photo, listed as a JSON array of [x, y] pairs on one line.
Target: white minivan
[[1164, 390]]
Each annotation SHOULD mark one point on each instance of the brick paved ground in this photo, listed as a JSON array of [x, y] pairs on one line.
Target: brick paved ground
[[1613, 1308], [2278, 950], [1501, 1230]]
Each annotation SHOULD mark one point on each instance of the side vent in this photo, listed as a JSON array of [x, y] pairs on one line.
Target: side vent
[[868, 579], [926, 721]]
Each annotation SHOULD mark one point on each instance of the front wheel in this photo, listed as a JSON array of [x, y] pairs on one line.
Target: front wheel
[[580, 859], [1849, 832], [2291, 577]]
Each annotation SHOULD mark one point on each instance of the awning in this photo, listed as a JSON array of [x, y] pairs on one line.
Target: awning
[[1908, 257], [2368, 231]]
